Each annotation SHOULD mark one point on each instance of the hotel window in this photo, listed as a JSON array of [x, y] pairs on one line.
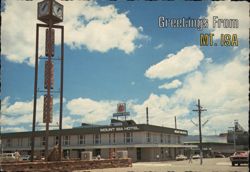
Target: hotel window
[[124, 138], [42, 141], [29, 141], [114, 138], [66, 140], [155, 138], [56, 140], [81, 139], [148, 137], [129, 137], [97, 138], [161, 138], [19, 142], [165, 138], [8, 143], [169, 138], [179, 139], [110, 138], [42, 152]]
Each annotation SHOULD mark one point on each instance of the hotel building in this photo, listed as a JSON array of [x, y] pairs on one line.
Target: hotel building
[[142, 141]]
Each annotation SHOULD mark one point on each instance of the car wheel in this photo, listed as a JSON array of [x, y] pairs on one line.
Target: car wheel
[[238, 164], [232, 163]]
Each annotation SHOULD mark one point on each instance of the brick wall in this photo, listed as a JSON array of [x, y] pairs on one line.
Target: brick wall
[[66, 165]]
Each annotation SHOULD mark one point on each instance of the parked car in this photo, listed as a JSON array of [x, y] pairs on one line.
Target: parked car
[[180, 157], [7, 157], [240, 157], [197, 156], [25, 157], [219, 155]]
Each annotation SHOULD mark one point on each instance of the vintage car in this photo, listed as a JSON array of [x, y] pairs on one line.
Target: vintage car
[[7, 157], [25, 157], [197, 156], [180, 157], [240, 157], [219, 155]]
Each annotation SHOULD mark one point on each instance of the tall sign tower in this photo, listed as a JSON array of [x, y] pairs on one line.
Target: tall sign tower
[[50, 13]]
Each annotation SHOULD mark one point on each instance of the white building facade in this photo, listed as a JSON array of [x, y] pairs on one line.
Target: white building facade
[[143, 142]]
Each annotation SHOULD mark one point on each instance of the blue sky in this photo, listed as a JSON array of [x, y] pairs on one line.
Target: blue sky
[[113, 53]]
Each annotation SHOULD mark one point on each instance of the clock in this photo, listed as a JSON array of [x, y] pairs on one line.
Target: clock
[[43, 9], [50, 10], [57, 10]]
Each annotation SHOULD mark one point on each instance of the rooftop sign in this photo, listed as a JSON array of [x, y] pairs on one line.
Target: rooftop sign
[[121, 111], [121, 107], [180, 132], [114, 129]]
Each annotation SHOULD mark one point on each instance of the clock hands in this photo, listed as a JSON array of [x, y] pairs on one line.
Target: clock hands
[[57, 11], [44, 6]]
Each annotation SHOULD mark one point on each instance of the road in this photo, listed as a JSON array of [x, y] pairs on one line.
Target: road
[[209, 165]]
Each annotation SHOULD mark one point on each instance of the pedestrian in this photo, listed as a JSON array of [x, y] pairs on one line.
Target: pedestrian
[[190, 159], [17, 155], [158, 157]]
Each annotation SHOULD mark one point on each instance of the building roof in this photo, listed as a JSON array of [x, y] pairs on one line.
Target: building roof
[[205, 139], [90, 129]]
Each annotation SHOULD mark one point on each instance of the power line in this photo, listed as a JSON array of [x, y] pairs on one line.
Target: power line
[[199, 110]]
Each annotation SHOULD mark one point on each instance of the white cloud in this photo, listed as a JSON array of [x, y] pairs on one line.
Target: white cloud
[[161, 110], [13, 129], [90, 110], [87, 24], [174, 84], [19, 115], [18, 31], [229, 10], [222, 89], [209, 60], [158, 46], [186, 60]]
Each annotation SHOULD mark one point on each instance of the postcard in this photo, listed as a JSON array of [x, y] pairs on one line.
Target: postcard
[[149, 82]]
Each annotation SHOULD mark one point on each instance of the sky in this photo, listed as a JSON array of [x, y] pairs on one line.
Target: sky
[[116, 52]]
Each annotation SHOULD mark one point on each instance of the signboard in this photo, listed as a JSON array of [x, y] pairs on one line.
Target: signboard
[[49, 74], [47, 109], [121, 114], [121, 107], [121, 110], [50, 43], [114, 129], [180, 132]]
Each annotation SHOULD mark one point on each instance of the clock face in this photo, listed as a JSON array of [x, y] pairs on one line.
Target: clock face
[[57, 10], [43, 8]]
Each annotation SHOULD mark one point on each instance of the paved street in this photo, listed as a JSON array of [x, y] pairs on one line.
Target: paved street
[[209, 165]]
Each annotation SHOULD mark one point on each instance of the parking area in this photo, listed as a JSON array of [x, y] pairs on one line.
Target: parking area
[[209, 165]]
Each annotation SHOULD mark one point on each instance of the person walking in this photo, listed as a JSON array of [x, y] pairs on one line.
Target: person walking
[[190, 159], [17, 155]]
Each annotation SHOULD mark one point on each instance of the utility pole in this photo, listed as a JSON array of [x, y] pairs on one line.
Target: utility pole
[[147, 115], [199, 110], [175, 122]]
